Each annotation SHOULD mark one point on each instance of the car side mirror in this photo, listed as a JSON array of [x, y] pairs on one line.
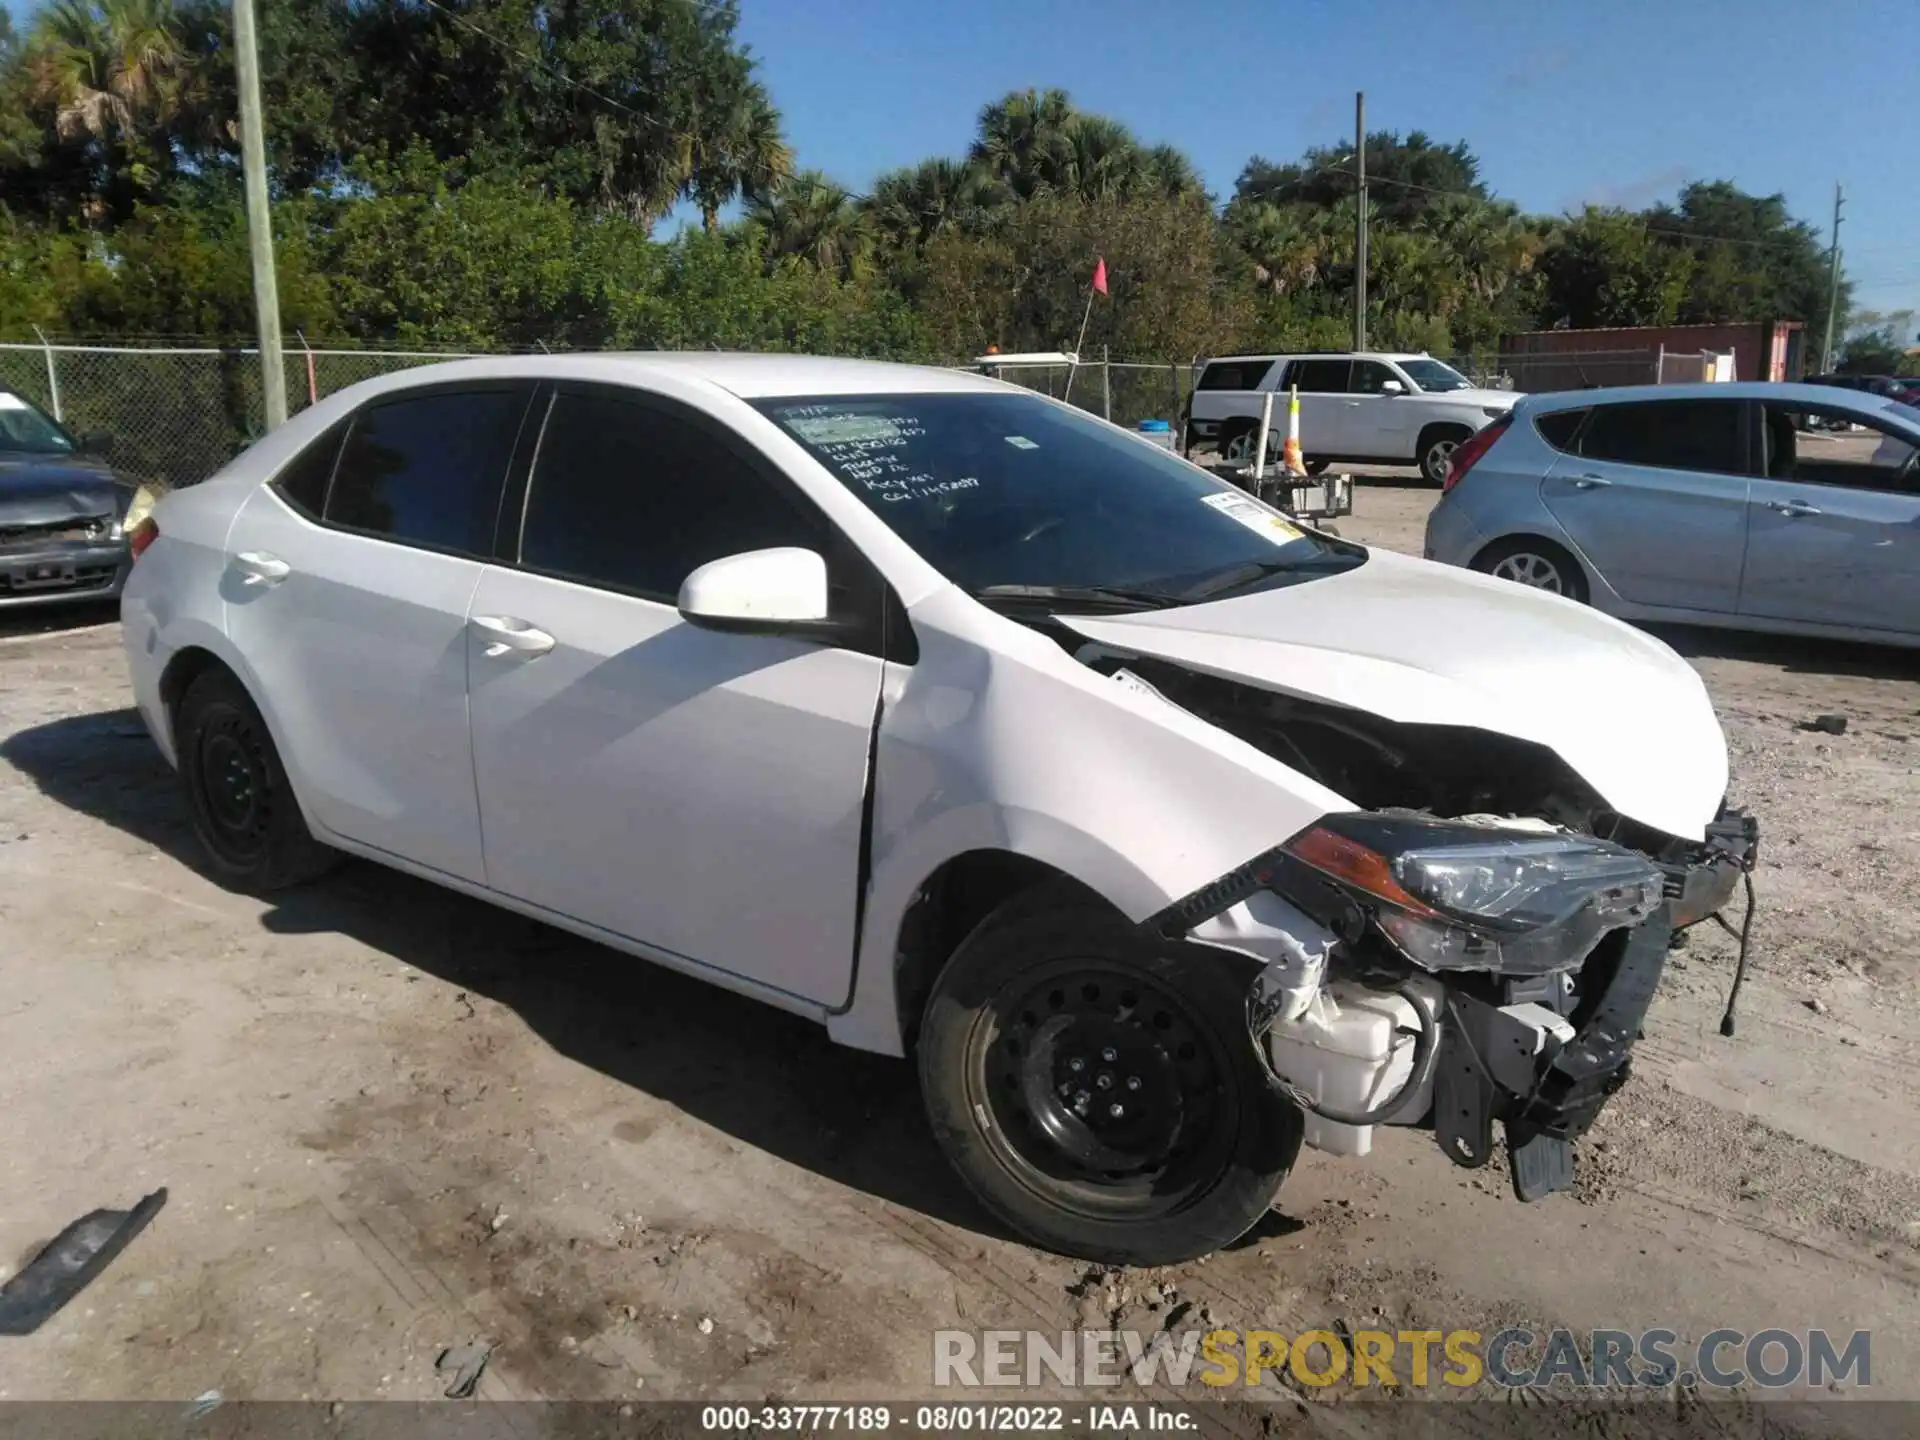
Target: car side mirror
[[97, 442], [778, 591], [1392, 387]]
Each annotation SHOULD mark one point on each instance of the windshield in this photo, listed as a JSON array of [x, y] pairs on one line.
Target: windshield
[[24, 430], [1432, 376], [1013, 490]]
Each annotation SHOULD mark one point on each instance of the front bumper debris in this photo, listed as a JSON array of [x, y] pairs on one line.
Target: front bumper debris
[[1546, 1089]]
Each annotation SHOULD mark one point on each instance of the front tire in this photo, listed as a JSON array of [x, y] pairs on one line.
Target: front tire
[[243, 807], [1099, 1091]]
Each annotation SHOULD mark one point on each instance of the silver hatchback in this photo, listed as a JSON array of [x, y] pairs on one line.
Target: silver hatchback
[[1789, 508]]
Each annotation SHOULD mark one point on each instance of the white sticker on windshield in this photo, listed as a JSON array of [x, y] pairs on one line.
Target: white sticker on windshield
[[11, 402], [1021, 442], [1255, 516]]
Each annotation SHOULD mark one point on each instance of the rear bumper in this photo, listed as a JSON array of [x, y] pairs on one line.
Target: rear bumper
[[62, 572]]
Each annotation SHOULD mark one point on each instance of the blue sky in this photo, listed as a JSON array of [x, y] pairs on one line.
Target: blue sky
[[1565, 101]]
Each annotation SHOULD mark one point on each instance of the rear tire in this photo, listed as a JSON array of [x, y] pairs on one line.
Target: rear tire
[[243, 807], [1434, 451], [1538, 564], [1099, 1091]]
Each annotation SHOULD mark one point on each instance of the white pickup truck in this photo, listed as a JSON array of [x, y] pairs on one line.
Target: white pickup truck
[[1376, 408]]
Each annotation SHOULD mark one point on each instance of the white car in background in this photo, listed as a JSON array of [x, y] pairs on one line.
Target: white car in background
[[1163, 831], [1383, 409]]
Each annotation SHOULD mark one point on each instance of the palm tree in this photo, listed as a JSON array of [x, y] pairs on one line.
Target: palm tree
[[1172, 173], [909, 207], [1490, 244], [741, 153], [108, 70], [1289, 244], [1020, 141], [810, 218]]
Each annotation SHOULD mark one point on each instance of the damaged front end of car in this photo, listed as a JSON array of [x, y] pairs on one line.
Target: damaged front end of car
[[1479, 942]]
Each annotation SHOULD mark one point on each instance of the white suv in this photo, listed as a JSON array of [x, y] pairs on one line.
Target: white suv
[[1391, 409]]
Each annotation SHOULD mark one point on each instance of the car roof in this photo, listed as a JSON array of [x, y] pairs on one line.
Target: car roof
[[748, 376], [1321, 355], [1549, 400]]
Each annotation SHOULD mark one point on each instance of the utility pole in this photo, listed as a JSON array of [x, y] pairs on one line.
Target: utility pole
[[1360, 222], [1833, 285], [253, 161]]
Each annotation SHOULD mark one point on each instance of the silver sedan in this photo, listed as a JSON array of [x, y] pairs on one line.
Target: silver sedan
[[1788, 508]]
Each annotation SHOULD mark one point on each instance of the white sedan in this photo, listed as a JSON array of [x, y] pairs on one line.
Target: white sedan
[[1163, 831]]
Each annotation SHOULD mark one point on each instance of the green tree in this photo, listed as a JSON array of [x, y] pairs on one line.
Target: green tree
[[1752, 259], [106, 81], [1604, 268], [814, 220], [1404, 176]]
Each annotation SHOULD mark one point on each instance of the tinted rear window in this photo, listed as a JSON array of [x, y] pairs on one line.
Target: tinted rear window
[[303, 479], [1672, 434], [1320, 377], [1234, 374], [428, 470], [1559, 427]]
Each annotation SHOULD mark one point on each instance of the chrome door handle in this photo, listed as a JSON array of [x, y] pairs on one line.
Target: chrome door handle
[[1793, 507], [1591, 482], [260, 568], [505, 632]]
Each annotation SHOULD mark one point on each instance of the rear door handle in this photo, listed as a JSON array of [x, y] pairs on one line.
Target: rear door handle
[[1793, 507], [506, 632], [260, 568], [1591, 482]]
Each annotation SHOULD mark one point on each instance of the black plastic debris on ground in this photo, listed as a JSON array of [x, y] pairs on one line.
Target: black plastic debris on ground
[[466, 1362], [69, 1263], [1826, 724]]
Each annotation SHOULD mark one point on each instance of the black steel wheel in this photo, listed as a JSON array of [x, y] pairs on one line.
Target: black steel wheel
[[1099, 1092], [243, 807]]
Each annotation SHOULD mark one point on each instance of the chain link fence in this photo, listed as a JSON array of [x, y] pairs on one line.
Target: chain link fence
[[176, 414]]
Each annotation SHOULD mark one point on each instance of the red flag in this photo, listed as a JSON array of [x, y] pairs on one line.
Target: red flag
[[1100, 275]]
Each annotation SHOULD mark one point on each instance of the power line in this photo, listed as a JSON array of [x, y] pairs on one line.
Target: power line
[[552, 70], [1687, 235]]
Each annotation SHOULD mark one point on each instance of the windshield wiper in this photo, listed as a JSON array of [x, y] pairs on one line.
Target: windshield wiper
[[1236, 577], [1081, 594]]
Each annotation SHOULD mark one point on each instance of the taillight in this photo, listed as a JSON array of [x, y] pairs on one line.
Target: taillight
[[141, 536], [1469, 451]]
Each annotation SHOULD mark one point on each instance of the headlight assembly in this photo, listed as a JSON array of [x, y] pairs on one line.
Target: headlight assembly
[[1453, 896], [138, 508]]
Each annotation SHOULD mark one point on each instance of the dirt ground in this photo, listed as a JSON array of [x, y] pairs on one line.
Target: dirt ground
[[392, 1120]]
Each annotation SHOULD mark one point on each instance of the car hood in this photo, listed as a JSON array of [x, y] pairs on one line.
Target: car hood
[[1419, 643], [46, 490], [1504, 399]]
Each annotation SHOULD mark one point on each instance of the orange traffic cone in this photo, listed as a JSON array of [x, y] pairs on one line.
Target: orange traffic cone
[[1290, 455]]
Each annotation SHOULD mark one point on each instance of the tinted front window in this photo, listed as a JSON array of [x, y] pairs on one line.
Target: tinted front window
[[1013, 490], [1821, 445], [428, 470], [1431, 375], [1319, 377], [1672, 434], [1370, 378], [636, 498], [25, 430], [1234, 374]]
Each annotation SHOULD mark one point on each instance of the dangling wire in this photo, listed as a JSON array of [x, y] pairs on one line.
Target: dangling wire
[[1743, 935]]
